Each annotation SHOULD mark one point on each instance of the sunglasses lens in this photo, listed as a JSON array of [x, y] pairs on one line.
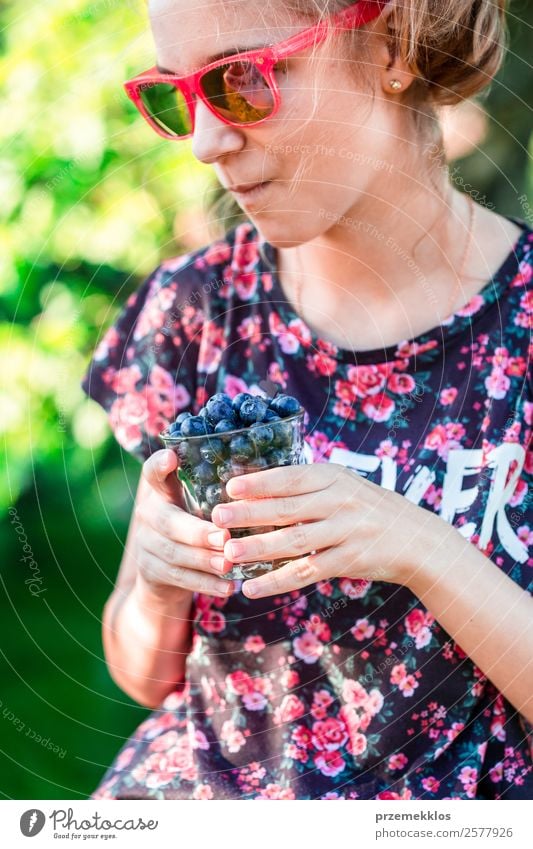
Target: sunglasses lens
[[239, 92], [167, 107]]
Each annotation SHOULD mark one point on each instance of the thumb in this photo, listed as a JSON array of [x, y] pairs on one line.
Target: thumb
[[160, 472]]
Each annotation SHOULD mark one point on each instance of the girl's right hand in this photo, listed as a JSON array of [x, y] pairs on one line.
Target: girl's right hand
[[173, 548]]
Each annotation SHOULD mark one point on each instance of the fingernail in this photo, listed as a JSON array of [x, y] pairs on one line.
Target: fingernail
[[237, 488], [218, 562], [225, 587], [223, 514], [251, 588], [217, 539], [236, 549], [163, 460]]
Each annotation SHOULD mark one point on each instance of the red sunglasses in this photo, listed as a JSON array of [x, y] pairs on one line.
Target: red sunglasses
[[240, 90]]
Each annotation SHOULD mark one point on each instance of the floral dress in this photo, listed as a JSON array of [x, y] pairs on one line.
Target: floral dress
[[346, 689]]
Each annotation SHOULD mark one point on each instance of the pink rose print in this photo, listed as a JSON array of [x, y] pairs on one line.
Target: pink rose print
[[471, 307], [390, 794], [289, 678], [448, 396], [232, 737], [417, 625], [368, 380], [401, 383], [308, 647], [329, 734], [203, 791], [379, 408], [362, 630], [217, 253], [254, 643], [163, 742], [406, 683], [329, 763], [397, 761], [291, 708], [125, 379], [254, 701], [124, 759], [321, 364], [110, 341], [239, 682], [212, 621], [354, 693], [354, 587], [276, 791]]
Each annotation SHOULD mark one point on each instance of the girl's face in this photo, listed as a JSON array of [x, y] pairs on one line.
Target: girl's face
[[327, 152]]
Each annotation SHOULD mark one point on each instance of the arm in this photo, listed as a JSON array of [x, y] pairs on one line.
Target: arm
[[146, 638], [483, 610]]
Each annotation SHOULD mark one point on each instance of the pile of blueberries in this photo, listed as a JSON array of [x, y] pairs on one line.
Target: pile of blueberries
[[207, 463]]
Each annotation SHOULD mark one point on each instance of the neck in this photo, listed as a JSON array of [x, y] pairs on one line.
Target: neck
[[384, 252], [383, 273]]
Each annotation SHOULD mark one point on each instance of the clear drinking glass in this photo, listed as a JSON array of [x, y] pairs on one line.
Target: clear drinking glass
[[206, 463]]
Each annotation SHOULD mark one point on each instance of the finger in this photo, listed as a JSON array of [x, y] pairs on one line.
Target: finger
[[284, 480], [296, 541], [256, 512], [155, 571], [177, 554], [176, 524], [293, 576], [159, 470]]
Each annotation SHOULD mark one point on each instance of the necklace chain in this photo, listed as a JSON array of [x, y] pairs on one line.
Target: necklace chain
[[460, 274]]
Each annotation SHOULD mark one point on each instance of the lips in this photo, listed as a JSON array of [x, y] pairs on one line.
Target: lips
[[246, 187]]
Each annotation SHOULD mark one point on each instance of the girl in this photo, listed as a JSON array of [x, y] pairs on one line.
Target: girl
[[392, 657]]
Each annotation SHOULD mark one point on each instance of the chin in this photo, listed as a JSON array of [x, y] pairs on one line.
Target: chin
[[280, 234]]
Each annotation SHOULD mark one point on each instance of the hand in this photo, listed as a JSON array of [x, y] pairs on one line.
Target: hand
[[350, 527], [173, 548]]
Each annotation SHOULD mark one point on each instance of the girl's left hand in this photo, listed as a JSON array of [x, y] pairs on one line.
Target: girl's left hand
[[351, 527]]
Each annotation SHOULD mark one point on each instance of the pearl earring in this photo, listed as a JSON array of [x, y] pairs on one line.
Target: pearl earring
[[395, 84]]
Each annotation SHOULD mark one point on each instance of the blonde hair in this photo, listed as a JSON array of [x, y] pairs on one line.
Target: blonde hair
[[453, 47]]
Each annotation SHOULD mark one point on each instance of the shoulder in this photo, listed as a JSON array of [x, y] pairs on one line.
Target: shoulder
[[237, 249]]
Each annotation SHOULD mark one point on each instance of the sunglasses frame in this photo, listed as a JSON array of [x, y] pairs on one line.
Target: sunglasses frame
[[264, 60]]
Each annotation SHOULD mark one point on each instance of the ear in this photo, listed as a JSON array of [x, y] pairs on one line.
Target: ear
[[395, 74]]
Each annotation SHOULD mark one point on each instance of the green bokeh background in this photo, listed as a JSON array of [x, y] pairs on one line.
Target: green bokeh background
[[90, 201]]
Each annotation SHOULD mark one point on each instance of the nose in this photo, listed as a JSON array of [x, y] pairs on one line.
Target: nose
[[213, 138]]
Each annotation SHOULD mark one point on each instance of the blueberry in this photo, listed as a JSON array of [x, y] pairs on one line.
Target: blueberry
[[257, 464], [229, 469], [174, 429], [282, 434], [239, 399], [213, 450], [205, 510], [277, 457], [225, 471], [216, 494], [194, 426], [271, 416], [210, 424], [242, 448], [188, 453], [253, 410], [285, 405], [262, 435], [182, 416], [219, 407], [224, 425], [205, 472]]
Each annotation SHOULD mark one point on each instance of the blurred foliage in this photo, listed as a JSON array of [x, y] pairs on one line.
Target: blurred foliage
[[90, 201]]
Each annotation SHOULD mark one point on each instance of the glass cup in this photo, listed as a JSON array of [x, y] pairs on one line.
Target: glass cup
[[206, 463]]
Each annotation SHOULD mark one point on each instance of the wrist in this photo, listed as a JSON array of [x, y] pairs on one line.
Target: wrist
[[166, 601], [443, 548]]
